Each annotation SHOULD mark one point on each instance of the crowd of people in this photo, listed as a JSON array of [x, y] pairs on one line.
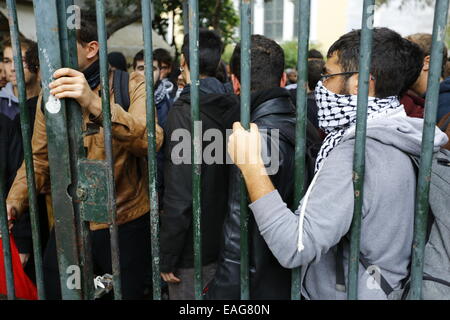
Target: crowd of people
[[314, 236]]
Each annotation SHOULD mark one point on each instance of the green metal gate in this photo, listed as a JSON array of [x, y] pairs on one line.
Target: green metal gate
[[77, 200]]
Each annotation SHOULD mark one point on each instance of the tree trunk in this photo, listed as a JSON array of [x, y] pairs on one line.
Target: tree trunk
[[215, 21]]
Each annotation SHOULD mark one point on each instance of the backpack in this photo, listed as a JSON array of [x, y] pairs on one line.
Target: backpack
[[436, 272], [121, 89]]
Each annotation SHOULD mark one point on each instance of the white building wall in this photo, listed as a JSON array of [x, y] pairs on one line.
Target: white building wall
[[258, 17], [407, 18], [410, 18], [288, 20]]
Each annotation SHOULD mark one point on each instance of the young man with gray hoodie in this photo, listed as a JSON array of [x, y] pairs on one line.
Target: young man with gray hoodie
[[309, 237], [11, 146]]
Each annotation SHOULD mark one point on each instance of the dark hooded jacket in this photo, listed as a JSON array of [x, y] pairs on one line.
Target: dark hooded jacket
[[217, 109], [270, 109], [11, 157], [444, 99]]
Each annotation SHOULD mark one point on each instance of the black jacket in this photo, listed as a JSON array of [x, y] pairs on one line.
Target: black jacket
[[176, 234], [11, 146], [271, 109], [11, 158], [311, 107]]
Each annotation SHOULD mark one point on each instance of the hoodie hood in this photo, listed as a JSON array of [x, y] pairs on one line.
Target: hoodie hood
[[9, 103], [7, 92], [400, 131], [220, 108], [209, 85]]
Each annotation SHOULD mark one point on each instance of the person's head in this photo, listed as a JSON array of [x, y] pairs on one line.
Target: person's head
[[267, 67], [117, 61], [87, 41], [315, 54], [3, 80], [424, 41], [181, 83], [291, 75], [138, 62], [164, 61], [447, 70], [387, 68], [413, 65], [315, 68], [222, 74], [139, 65], [209, 53], [31, 67]]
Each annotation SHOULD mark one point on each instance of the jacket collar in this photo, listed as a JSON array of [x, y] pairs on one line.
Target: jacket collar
[[207, 86], [271, 101], [92, 74]]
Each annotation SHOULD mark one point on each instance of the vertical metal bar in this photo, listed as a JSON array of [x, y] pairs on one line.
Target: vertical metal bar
[[106, 112], [26, 127], [4, 232], [67, 33], [58, 147], [424, 176], [152, 171], [196, 144], [304, 9], [246, 14], [360, 144]]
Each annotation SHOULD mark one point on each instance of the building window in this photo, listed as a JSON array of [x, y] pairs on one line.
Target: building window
[[273, 19], [296, 18]]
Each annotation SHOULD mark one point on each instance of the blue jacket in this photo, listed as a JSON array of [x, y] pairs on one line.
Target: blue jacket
[[444, 99]]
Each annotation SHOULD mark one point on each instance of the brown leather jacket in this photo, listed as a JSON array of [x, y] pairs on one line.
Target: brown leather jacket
[[129, 147], [447, 130]]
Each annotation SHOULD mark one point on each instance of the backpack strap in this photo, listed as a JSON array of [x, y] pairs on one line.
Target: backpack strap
[[121, 88], [340, 276], [416, 163]]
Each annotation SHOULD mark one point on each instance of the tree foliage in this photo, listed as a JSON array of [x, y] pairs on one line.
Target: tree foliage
[[218, 14]]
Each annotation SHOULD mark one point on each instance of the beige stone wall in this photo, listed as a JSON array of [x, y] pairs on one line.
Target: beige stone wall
[[332, 21]]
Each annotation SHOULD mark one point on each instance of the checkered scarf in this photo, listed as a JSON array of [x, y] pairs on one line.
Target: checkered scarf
[[337, 113]]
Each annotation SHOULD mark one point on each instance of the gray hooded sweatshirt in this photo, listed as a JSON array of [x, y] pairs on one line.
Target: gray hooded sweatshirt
[[387, 218], [9, 103]]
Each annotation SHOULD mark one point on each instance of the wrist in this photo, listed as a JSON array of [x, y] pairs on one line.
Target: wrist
[[252, 170], [95, 105]]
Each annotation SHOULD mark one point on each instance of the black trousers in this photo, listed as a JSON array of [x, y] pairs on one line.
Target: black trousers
[[135, 259]]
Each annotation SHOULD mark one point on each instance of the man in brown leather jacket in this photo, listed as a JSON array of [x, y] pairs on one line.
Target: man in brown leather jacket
[[130, 149]]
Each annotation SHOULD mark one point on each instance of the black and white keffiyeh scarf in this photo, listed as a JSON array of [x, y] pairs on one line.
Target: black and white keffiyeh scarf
[[337, 114]]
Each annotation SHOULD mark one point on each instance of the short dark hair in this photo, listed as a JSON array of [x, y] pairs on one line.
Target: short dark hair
[[118, 60], [424, 41], [315, 68], [315, 54], [389, 52], [25, 43], [88, 28], [138, 57], [267, 63], [210, 51], [32, 58], [162, 56], [222, 74], [413, 64]]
